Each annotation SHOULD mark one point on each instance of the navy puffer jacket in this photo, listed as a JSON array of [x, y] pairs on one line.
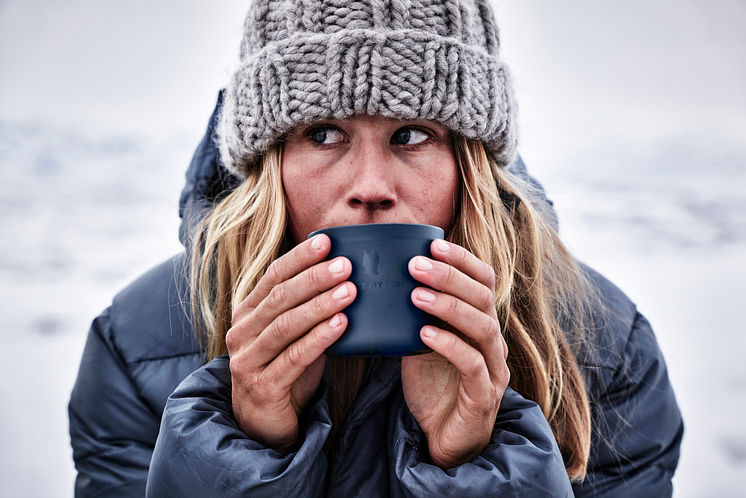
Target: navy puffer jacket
[[142, 352]]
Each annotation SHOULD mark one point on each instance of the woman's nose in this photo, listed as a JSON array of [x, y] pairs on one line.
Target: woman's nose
[[372, 186]]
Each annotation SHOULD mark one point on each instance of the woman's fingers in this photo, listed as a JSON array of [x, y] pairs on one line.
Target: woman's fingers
[[294, 360], [462, 294], [464, 298], [300, 289], [461, 259], [270, 364], [481, 388], [298, 259], [284, 335], [480, 328], [451, 280], [297, 294], [283, 297]]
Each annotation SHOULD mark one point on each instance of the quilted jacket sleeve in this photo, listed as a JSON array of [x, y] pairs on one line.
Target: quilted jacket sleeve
[[111, 428], [201, 451], [138, 351], [522, 459], [638, 425]]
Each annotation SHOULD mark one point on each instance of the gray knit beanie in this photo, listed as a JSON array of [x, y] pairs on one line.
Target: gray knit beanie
[[303, 61]]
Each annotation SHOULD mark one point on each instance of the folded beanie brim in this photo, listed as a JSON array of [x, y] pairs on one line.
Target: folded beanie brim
[[402, 73]]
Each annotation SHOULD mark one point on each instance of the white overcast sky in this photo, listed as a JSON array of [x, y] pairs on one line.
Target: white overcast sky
[[586, 72]]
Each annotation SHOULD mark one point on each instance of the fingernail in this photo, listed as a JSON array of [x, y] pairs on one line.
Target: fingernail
[[337, 266], [422, 264], [341, 292], [316, 242], [425, 295], [429, 332], [335, 321], [441, 245]]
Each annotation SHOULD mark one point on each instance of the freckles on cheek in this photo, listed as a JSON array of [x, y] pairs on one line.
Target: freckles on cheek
[[307, 193], [441, 198], [307, 204], [295, 182]]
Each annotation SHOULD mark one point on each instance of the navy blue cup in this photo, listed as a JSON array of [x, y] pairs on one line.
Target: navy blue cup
[[382, 319]]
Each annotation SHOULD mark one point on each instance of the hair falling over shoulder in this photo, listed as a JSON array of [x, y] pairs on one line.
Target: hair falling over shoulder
[[538, 283], [538, 286], [233, 247]]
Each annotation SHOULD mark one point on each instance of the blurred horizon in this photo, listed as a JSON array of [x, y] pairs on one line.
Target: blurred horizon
[[585, 72]]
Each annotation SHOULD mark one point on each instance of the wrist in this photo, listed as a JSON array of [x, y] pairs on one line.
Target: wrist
[[278, 432], [446, 459], [281, 443]]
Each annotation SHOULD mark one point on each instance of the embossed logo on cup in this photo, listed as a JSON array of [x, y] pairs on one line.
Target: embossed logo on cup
[[387, 284], [370, 263]]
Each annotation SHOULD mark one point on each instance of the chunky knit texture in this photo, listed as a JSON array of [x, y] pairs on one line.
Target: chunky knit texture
[[303, 61]]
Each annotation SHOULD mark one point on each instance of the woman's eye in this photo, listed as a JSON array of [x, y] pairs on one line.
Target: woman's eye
[[409, 136], [326, 136]]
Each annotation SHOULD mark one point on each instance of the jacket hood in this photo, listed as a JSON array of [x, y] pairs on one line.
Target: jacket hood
[[208, 181]]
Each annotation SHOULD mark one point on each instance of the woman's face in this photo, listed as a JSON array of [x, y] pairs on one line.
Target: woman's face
[[369, 169]]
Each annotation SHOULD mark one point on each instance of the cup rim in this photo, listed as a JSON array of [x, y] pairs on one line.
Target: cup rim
[[377, 225]]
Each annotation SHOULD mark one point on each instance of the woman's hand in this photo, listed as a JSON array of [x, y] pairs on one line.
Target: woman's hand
[[278, 338], [455, 392]]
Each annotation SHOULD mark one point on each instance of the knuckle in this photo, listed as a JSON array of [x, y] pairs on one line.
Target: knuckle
[[318, 305], [239, 312], [295, 354], [475, 365], [453, 304], [231, 340], [277, 296], [502, 378], [284, 324], [451, 274], [274, 273], [505, 374], [451, 342], [485, 299], [487, 330], [313, 277], [461, 255], [505, 377], [244, 309], [252, 382], [233, 365]]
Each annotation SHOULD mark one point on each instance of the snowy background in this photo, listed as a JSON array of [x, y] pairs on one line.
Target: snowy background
[[633, 115]]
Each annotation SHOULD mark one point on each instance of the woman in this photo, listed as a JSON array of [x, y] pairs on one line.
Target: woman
[[544, 380]]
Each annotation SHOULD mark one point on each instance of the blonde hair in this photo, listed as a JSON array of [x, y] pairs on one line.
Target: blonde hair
[[537, 282]]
